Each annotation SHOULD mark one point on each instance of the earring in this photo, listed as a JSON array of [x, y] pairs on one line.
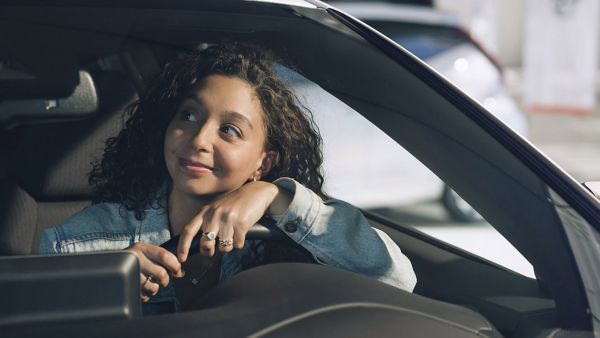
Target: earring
[[253, 178]]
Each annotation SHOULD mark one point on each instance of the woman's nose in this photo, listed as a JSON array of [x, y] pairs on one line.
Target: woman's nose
[[203, 138]]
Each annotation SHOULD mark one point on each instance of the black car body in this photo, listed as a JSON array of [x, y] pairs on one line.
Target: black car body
[[547, 216]]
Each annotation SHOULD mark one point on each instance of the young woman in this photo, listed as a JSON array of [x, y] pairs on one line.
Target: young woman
[[215, 144]]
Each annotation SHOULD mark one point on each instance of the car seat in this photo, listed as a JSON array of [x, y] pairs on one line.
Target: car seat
[[46, 165]]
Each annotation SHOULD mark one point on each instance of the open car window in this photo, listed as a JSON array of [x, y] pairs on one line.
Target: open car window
[[366, 167]]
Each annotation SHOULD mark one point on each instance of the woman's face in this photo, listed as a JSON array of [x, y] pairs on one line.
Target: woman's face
[[215, 142]]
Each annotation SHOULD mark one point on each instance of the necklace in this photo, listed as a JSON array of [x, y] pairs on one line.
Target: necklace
[[202, 269], [197, 273], [201, 274]]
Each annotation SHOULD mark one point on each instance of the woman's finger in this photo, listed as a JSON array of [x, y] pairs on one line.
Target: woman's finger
[[208, 240], [145, 298], [159, 263], [210, 231], [149, 286], [143, 294], [239, 238], [225, 240], [187, 235]]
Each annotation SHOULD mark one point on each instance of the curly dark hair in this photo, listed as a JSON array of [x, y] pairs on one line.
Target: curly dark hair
[[132, 168]]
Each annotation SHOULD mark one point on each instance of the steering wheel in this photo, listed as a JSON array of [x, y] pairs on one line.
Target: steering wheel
[[265, 229]]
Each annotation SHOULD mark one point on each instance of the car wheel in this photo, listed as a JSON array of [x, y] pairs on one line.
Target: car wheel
[[458, 208]]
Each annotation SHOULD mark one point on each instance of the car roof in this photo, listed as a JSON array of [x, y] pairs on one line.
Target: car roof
[[398, 12]]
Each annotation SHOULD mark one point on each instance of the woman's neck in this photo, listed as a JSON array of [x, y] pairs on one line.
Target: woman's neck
[[182, 208]]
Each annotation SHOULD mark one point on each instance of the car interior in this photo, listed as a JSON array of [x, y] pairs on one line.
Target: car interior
[[54, 124]]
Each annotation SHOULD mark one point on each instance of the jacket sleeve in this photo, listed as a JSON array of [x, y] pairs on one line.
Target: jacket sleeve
[[100, 227], [49, 242], [337, 234]]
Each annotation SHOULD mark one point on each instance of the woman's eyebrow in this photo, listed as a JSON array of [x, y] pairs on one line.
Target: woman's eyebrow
[[237, 116]]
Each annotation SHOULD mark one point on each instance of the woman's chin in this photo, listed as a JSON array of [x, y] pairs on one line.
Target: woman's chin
[[199, 190], [203, 187]]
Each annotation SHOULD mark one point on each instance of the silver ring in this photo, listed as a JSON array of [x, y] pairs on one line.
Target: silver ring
[[210, 235], [225, 242], [149, 279]]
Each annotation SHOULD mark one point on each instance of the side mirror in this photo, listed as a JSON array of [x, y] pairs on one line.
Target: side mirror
[[593, 187]]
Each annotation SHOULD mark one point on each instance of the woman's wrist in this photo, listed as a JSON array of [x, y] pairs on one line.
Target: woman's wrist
[[281, 201]]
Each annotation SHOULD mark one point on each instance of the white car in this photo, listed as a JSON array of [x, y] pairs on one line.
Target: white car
[[437, 39]]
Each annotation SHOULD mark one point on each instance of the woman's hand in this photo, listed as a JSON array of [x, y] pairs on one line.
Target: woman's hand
[[156, 264], [231, 215]]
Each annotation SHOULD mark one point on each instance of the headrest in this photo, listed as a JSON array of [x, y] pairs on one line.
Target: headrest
[[53, 159]]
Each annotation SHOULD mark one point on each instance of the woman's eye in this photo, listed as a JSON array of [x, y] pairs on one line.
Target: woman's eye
[[230, 131], [188, 116]]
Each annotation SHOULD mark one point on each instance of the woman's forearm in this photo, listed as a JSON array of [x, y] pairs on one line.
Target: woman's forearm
[[280, 202]]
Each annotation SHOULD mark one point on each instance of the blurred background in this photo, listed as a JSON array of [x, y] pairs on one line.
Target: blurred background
[[531, 63], [547, 53]]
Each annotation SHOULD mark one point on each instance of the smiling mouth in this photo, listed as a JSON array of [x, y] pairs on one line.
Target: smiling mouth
[[194, 167]]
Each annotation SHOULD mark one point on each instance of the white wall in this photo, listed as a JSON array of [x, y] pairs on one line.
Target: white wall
[[511, 14]]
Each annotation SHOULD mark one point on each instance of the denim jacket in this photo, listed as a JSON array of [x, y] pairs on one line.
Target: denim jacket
[[334, 232]]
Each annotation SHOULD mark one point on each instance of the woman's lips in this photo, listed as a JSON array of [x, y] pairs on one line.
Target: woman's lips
[[194, 167]]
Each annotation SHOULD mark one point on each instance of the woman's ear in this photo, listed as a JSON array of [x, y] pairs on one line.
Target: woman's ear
[[268, 162]]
